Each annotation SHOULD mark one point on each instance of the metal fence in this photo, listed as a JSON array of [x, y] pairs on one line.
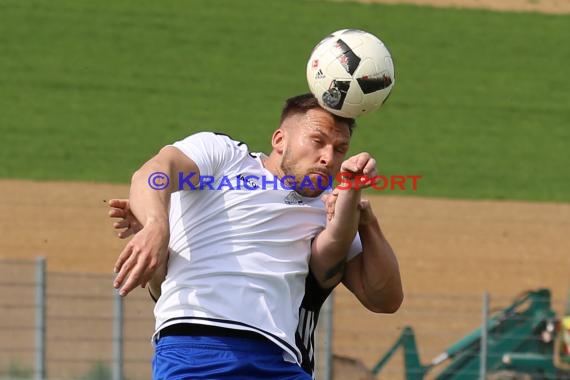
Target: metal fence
[[60, 326], [71, 326]]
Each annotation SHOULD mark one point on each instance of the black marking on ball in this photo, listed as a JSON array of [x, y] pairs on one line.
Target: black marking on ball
[[369, 85], [347, 58], [335, 95]]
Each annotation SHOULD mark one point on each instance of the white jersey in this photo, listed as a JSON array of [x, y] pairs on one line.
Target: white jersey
[[239, 253]]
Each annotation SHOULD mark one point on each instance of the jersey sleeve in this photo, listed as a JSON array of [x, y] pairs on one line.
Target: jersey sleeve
[[210, 151]]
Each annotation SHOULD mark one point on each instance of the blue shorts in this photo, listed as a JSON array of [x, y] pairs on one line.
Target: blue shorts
[[215, 357]]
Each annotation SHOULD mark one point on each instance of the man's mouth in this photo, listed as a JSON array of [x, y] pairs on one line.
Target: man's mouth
[[320, 174]]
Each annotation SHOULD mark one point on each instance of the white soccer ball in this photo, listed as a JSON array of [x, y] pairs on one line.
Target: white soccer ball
[[351, 73]]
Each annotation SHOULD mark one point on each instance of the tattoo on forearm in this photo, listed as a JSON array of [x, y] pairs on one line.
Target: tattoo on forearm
[[338, 268]]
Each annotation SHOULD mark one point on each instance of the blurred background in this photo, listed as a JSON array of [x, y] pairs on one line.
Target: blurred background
[[480, 109]]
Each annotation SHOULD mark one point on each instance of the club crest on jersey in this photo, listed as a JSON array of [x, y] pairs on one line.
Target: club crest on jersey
[[248, 181], [293, 199]]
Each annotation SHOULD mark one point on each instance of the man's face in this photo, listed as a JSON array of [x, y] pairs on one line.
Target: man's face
[[315, 147]]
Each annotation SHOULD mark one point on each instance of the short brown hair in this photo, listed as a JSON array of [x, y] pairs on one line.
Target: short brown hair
[[302, 103]]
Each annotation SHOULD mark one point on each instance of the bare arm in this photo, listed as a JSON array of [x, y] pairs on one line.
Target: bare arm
[[331, 246], [127, 226], [148, 249], [374, 275], [128, 223]]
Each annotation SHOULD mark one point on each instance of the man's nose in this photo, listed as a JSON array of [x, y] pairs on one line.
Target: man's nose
[[327, 154]]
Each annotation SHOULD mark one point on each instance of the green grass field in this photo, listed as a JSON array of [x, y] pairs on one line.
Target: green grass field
[[481, 107]]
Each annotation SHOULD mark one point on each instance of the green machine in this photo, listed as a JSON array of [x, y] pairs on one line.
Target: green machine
[[523, 341]]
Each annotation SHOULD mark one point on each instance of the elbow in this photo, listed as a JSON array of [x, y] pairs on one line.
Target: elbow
[[386, 305], [394, 305]]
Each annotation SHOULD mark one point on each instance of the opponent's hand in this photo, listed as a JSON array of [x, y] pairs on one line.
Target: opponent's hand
[[330, 201], [119, 208], [358, 171], [142, 256], [366, 213]]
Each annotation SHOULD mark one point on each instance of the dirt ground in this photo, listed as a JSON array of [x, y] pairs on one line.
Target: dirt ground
[[67, 223], [542, 6], [445, 247], [450, 251]]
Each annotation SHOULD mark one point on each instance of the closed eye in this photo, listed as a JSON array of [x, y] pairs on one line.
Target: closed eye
[[341, 149]]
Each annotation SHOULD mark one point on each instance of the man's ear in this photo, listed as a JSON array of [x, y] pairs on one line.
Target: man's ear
[[278, 140]]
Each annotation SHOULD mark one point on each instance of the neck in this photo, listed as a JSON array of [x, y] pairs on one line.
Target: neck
[[271, 164]]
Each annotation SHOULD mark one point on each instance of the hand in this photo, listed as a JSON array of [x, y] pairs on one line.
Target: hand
[[364, 206], [366, 213], [330, 201], [120, 209], [357, 171], [142, 256]]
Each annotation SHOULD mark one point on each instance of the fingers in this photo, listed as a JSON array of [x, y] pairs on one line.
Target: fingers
[[360, 163], [330, 205], [123, 223], [134, 278], [123, 269], [369, 167], [358, 172], [119, 203], [364, 204], [353, 165], [330, 200], [142, 271], [139, 259], [126, 233], [117, 213], [349, 166], [366, 213], [123, 257], [119, 208], [131, 271]]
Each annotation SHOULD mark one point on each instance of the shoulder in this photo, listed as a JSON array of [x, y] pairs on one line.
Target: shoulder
[[214, 144], [218, 138]]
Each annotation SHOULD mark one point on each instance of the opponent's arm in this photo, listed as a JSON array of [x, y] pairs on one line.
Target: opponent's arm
[[374, 275], [127, 226], [148, 249], [331, 246]]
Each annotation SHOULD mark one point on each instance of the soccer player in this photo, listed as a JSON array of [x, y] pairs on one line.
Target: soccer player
[[314, 296], [237, 258]]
